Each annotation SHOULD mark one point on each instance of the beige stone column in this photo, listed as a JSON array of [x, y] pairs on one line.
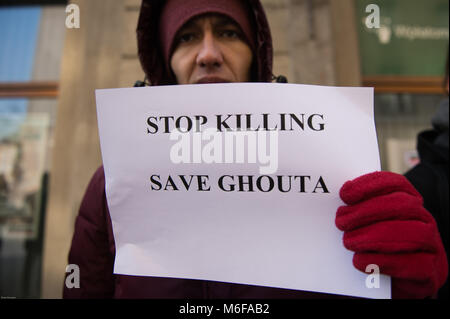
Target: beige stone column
[[315, 41], [345, 42], [91, 60]]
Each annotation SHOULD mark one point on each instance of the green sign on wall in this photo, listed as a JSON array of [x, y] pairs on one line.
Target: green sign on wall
[[412, 38]]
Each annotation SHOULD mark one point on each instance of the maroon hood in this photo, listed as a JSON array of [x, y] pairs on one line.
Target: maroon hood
[[150, 54]]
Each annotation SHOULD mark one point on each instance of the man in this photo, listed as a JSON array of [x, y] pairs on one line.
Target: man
[[430, 176], [204, 41]]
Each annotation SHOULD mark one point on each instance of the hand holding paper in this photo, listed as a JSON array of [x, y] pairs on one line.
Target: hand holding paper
[[385, 224]]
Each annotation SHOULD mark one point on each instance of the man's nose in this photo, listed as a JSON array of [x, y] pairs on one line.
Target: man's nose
[[210, 54]]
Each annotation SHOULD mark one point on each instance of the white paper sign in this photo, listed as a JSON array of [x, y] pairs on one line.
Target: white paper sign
[[182, 206]]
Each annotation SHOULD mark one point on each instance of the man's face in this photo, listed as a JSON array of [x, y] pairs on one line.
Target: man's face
[[211, 49]]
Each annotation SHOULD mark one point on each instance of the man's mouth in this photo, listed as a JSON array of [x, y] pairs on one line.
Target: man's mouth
[[212, 79]]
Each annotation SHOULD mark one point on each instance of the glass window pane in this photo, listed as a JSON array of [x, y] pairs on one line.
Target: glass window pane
[[399, 119], [19, 27], [25, 148]]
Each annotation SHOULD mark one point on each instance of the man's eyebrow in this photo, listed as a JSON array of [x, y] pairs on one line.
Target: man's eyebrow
[[188, 24], [220, 21], [224, 21]]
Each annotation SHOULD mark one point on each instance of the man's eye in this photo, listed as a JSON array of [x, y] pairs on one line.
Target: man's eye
[[232, 34], [187, 37]]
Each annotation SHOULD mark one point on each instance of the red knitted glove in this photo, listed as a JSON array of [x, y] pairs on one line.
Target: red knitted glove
[[386, 224]]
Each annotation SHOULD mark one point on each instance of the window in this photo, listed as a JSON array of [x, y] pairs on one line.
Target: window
[[30, 52]]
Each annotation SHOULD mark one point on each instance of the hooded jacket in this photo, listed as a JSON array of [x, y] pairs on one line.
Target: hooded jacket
[[93, 248]]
